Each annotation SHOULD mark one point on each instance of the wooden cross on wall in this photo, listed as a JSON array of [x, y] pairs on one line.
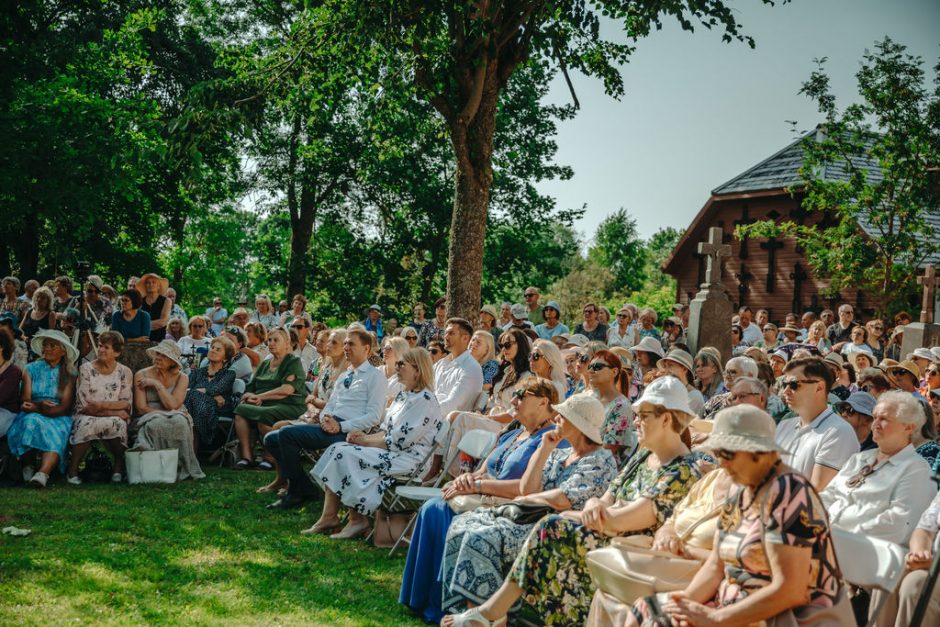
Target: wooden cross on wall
[[744, 221], [744, 279], [772, 245], [930, 280], [798, 276], [713, 250]]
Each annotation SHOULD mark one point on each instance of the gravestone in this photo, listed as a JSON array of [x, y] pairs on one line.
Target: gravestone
[[711, 310], [925, 333]]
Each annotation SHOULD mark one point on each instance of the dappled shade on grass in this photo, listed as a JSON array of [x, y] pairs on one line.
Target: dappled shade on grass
[[196, 552]]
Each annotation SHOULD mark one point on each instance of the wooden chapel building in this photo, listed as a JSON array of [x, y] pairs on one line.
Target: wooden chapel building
[[767, 274]]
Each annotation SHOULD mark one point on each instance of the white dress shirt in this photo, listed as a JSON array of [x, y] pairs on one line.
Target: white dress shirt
[[626, 340], [828, 441], [888, 504], [457, 383], [751, 334], [358, 398]]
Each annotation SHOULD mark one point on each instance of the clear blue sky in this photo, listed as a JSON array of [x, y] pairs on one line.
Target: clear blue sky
[[697, 112]]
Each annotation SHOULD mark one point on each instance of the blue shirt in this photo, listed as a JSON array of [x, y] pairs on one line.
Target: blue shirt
[[358, 398], [509, 459], [546, 334], [139, 326]]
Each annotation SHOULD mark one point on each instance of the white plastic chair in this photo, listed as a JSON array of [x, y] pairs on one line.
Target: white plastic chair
[[869, 563], [476, 443]]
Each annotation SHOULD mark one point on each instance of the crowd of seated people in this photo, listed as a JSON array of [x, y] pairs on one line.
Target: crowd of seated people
[[613, 431]]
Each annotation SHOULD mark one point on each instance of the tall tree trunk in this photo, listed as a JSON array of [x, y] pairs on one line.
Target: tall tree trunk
[[27, 249], [301, 232], [473, 147]]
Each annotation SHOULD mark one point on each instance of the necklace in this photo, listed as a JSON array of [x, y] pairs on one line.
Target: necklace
[[770, 475]]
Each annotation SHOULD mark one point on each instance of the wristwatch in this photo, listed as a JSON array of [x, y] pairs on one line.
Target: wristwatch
[[477, 484]]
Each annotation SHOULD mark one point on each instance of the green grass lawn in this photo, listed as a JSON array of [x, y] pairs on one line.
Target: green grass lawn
[[199, 552]]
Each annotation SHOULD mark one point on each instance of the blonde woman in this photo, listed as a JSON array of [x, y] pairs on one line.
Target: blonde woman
[[257, 347], [198, 337], [264, 312], [40, 315], [483, 348], [545, 361], [392, 350], [816, 336]]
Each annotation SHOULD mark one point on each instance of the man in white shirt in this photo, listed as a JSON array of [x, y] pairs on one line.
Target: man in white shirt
[[356, 404], [818, 441], [305, 350], [750, 333], [458, 378], [882, 492]]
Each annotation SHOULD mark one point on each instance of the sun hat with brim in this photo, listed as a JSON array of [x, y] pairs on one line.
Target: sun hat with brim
[[854, 355], [743, 428], [53, 334], [490, 310], [834, 359], [885, 364], [162, 284], [701, 425], [924, 353], [553, 304], [585, 412], [670, 393], [169, 349], [682, 358], [936, 351], [780, 355], [8, 317], [649, 345], [934, 392], [907, 366], [578, 340], [788, 329], [519, 312], [860, 402], [375, 308], [95, 280]]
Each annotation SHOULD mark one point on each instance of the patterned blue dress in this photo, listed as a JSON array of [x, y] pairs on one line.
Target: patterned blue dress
[[32, 430]]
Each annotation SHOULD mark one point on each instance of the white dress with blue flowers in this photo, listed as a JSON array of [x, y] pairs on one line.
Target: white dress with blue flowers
[[360, 475]]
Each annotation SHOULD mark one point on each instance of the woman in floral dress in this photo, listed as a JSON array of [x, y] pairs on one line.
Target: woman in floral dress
[[103, 410], [550, 572], [210, 390], [481, 545], [612, 385]]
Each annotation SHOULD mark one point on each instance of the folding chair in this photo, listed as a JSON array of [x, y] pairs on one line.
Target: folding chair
[[869, 563], [227, 425], [476, 443]]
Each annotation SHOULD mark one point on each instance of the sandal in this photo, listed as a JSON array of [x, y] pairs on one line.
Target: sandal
[[474, 617], [244, 464], [318, 528]]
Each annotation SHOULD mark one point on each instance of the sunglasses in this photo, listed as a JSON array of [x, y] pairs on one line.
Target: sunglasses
[[794, 384], [584, 358], [859, 478], [740, 397], [520, 394], [724, 454], [411, 337], [506, 345], [622, 316], [297, 326], [535, 356], [435, 351], [598, 366], [399, 364], [529, 295]]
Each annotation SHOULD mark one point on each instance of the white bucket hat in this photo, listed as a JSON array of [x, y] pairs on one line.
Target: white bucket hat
[[585, 412], [649, 345], [52, 334], [169, 349], [670, 393], [925, 353], [743, 428]]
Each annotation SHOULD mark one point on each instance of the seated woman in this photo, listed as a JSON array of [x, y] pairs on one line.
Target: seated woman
[[10, 376], [767, 560], [131, 321], [436, 350], [240, 363], [42, 427], [40, 315], [162, 421], [175, 330], [499, 476], [545, 361], [679, 364], [392, 350], [709, 375], [298, 304], [103, 407], [611, 385], [689, 533], [210, 390], [264, 312], [197, 340], [917, 564], [410, 335], [256, 349], [483, 348], [275, 393], [481, 545], [639, 501], [357, 472]]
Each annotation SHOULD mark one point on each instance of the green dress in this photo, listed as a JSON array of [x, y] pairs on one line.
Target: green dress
[[552, 569], [290, 372]]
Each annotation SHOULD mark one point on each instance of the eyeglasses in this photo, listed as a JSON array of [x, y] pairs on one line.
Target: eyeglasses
[[297, 326], [521, 393], [435, 351], [622, 316], [535, 356], [743, 395], [930, 372], [859, 478], [588, 311], [529, 295], [724, 454], [399, 364], [793, 384], [506, 345], [597, 366], [411, 337], [584, 358]]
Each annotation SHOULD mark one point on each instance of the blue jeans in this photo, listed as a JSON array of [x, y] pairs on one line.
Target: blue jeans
[[285, 445]]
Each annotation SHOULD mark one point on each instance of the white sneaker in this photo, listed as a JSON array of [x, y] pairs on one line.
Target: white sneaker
[[39, 480], [117, 478], [28, 473], [76, 480]]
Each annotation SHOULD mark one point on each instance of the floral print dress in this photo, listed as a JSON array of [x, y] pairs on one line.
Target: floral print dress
[[94, 386], [552, 569], [480, 546], [618, 426]]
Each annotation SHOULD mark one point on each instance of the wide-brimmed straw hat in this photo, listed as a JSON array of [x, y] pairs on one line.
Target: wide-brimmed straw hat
[[743, 428], [788, 328], [682, 358], [141, 285], [670, 393], [585, 412], [907, 366], [650, 345], [490, 310], [53, 334], [169, 349]]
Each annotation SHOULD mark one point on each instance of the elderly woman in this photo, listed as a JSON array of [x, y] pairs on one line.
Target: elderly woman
[[483, 348], [297, 310], [639, 501], [736, 368], [816, 336], [10, 376], [410, 335], [98, 308], [545, 361], [611, 385], [11, 301], [647, 328], [624, 331], [197, 342], [769, 341], [709, 375], [40, 316], [437, 351], [499, 476], [264, 312], [275, 393], [210, 390], [481, 544], [162, 421], [900, 610], [767, 561], [679, 364], [103, 407], [175, 330], [131, 322], [257, 347], [357, 472], [152, 289], [43, 425]]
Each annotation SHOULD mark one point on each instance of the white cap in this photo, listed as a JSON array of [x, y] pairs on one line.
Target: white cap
[[667, 392]]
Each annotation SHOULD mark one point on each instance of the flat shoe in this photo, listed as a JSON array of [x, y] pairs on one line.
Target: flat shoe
[[267, 488], [351, 533], [318, 528], [264, 465], [244, 464], [288, 502], [474, 617]]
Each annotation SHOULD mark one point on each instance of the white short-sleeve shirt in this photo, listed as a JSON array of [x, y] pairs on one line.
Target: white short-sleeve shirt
[[828, 441]]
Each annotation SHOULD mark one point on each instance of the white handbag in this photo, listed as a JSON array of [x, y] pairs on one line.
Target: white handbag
[[151, 466]]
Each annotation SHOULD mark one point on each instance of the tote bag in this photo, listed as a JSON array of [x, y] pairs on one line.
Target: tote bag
[[151, 466]]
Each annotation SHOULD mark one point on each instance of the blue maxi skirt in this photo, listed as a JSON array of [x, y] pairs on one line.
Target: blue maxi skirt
[[34, 431], [421, 581]]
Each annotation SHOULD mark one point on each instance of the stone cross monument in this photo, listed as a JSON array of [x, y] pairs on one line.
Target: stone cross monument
[[711, 310], [925, 333]]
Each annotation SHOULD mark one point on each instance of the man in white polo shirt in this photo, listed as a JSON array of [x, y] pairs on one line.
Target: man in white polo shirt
[[818, 441]]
